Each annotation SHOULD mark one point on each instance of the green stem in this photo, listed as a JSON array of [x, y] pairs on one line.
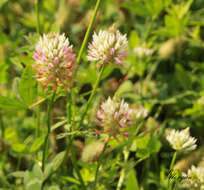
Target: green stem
[[69, 117], [99, 164], [170, 170], [88, 32], [74, 162], [45, 149], [148, 31], [37, 132], [70, 142], [37, 103], [18, 163], [69, 107], [122, 173], [2, 126], [173, 160], [92, 94], [83, 46], [37, 16]]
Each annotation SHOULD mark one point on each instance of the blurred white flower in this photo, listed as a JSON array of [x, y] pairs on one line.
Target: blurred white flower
[[194, 178], [181, 140], [114, 115], [142, 51], [108, 46], [54, 60], [141, 112]]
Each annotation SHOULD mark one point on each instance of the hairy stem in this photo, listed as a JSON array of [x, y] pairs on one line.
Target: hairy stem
[[98, 165], [92, 94], [173, 160], [45, 149], [37, 131], [88, 32], [76, 168], [69, 120], [83, 46], [122, 174], [170, 170], [2, 126]]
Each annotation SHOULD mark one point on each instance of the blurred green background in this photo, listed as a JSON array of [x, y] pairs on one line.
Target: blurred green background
[[169, 83]]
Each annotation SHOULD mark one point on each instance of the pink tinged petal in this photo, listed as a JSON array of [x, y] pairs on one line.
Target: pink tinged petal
[[125, 134], [54, 88], [123, 123], [116, 115], [92, 54], [100, 114], [116, 138], [125, 114], [44, 59], [44, 70], [36, 56], [123, 56], [70, 58], [102, 105], [56, 60], [129, 123], [118, 61], [112, 51], [105, 57], [50, 65], [65, 48], [90, 46], [40, 52], [51, 77]]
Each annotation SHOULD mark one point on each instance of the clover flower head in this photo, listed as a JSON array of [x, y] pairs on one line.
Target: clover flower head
[[142, 51], [114, 115], [194, 178], [181, 140], [140, 112], [54, 60], [108, 46]]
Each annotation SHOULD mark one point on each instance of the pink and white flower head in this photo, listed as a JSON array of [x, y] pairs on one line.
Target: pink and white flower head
[[108, 46], [114, 115], [54, 60]]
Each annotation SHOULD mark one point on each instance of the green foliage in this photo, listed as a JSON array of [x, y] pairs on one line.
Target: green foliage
[[183, 77], [37, 144], [131, 181], [28, 86], [146, 146], [11, 104], [164, 88]]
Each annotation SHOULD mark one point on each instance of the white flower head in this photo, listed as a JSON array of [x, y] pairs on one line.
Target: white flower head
[[108, 46], [141, 112], [114, 115], [54, 59], [142, 51], [194, 178], [181, 140]]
